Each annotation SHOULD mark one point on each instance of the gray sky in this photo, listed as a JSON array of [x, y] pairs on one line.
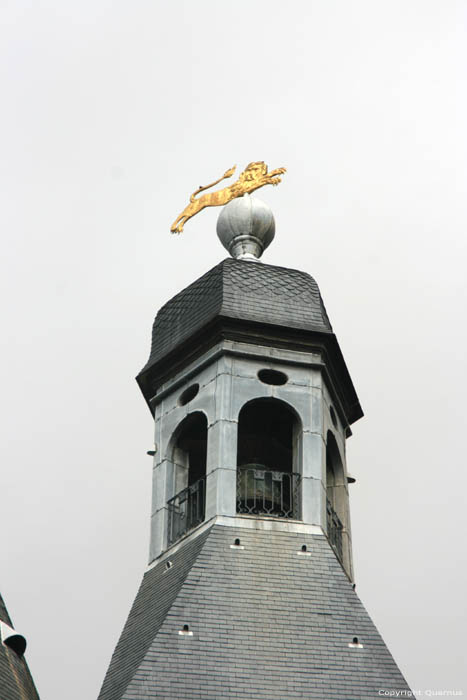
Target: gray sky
[[112, 114]]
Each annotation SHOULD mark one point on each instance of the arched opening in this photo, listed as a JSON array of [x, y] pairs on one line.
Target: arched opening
[[186, 507], [336, 494], [190, 449], [268, 459]]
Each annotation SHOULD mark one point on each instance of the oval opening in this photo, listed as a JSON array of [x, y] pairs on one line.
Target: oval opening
[[188, 395], [355, 640], [303, 547], [237, 542], [333, 416], [272, 376]]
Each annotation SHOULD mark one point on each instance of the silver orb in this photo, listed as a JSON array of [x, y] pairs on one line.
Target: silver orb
[[246, 227]]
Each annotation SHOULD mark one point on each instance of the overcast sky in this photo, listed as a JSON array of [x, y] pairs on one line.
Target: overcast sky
[[112, 114]]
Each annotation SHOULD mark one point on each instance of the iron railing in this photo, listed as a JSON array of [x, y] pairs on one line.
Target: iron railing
[[186, 510], [334, 527], [266, 492]]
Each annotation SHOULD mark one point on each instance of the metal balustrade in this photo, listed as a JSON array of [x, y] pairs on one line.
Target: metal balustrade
[[334, 527], [186, 510], [266, 492], [259, 492]]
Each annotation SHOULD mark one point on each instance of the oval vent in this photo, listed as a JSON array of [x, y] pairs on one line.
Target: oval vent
[[188, 395], [333, 416], [272, 376]]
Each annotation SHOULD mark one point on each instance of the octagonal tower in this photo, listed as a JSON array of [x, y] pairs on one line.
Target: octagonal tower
[[257, 337]]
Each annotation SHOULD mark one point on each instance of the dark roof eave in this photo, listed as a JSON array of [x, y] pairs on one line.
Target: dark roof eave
[[223, 327]]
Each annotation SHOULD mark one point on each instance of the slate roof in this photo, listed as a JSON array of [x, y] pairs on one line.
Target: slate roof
[[157, 592], [267, 623], [241, 290], [253, 303], [15, 679]]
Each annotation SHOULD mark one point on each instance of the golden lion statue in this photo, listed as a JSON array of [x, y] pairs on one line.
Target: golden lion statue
[[254, 176]]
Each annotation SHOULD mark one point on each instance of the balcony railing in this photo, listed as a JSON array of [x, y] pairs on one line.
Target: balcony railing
[[335, 528], [186, 510], [264, 492]]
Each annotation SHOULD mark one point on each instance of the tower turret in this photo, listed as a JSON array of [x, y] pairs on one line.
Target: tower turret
[[249, 591], [249, 391]]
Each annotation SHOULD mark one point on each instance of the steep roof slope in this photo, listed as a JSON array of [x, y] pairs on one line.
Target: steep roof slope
[[268, 623], [15, 679], [158, 590]]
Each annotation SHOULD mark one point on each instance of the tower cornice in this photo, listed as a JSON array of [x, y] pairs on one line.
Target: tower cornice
[[266, 335]]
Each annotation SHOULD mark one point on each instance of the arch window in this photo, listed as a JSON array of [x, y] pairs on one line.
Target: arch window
[[187, 507], [268, 450], [336, 494]]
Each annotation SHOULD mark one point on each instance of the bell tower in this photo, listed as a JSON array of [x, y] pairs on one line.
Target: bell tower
[[249, 592]]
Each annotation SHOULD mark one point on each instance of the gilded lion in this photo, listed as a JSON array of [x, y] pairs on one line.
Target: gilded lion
[[254, 176]]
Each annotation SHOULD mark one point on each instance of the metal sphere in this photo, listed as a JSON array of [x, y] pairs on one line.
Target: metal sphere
[[246, 227]]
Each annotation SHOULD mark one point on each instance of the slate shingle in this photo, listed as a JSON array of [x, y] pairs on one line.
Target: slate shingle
[[242, 290], [157, 592], [251, 302], [267, 625]]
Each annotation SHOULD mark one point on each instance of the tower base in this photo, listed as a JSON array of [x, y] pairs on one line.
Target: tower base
[[247, 614]]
